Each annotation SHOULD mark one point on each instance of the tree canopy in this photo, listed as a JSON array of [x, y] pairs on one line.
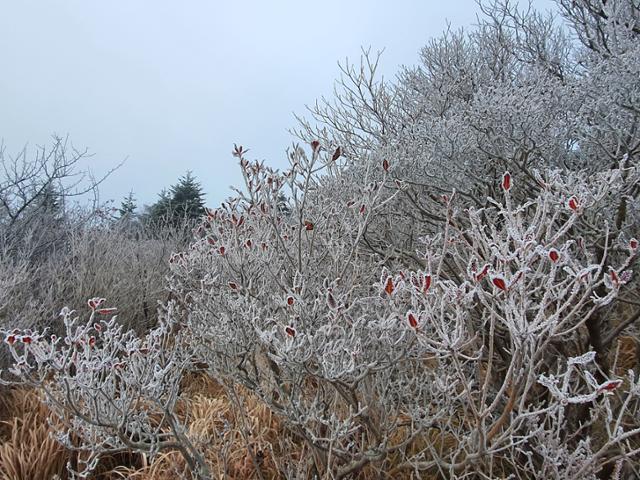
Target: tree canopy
[[183, 201]]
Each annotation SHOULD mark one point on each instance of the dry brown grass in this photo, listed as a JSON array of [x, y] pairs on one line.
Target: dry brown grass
[[627, 355], [240, 437], [236, 442], [29, 452]]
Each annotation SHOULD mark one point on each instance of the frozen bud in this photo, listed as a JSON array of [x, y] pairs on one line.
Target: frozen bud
[[426, 284], [609, 386], [614, 277], [95, 302], [412, 320], [499, 282], [389, 287], [506, 181], [331, 301], [483, 273]]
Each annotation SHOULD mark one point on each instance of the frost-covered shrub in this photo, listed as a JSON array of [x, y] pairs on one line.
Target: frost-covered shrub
[[111, 389], [374, 359], [474, 357]]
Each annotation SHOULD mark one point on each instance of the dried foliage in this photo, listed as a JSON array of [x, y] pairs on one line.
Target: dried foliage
[[29, 451]]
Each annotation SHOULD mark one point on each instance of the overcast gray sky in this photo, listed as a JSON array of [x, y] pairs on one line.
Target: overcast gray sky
[[172, 85]]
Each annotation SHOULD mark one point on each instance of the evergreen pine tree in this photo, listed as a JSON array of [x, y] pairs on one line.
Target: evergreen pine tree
[[160, 212], [187, 198], [49, 201], [128, 207]]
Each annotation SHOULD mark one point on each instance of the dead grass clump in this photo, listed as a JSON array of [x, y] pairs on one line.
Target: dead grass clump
[[627, 355], [30, 452], [238, 436]]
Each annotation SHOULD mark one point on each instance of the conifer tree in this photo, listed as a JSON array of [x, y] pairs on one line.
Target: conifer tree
[[49, 200], [187, 199], [128, 207], [184, 200]]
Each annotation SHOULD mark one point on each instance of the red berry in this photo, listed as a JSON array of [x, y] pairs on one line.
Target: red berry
[[290, 331], [10, 339], [26, 339], [308, 225], [221, 250], [385, 165], [290, 300], [315, 144], [554, 255], [633, 244]]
